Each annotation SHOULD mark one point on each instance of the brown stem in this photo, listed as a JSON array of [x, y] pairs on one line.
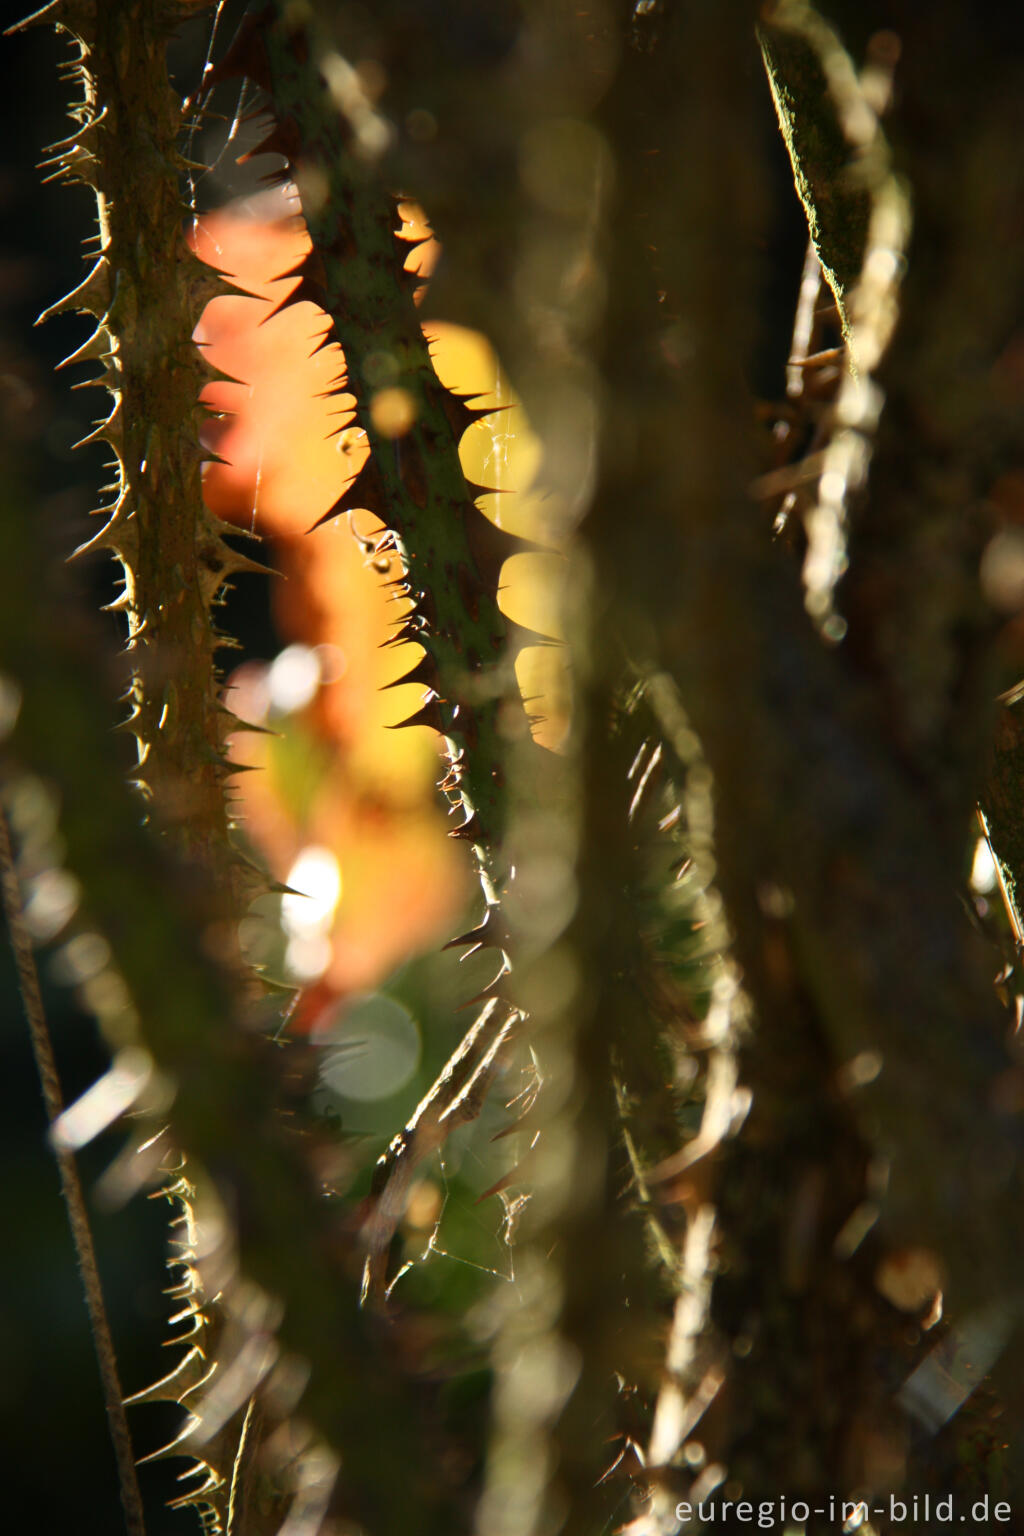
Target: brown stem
[[71, 1188]]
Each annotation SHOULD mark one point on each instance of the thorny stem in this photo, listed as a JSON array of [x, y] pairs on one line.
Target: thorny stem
[[451, 555]]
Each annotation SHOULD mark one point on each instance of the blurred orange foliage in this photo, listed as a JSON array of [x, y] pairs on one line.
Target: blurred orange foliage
[[338, 779]]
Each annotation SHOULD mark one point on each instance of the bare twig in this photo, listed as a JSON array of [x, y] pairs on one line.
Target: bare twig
[[456, 1097]]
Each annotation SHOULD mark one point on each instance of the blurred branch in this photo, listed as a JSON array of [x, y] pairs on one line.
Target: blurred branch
[[951, 438], [70, 1183], [810, 799], [1003, 816]]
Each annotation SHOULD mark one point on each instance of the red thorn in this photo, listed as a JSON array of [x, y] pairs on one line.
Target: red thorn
[[461, 414], [365, 494], [519, 636], [307, 291], [425, 672], [491, 546], [328, 339], [470, 939], [488, 934], [429, 714], [409, 630], [309, 266], [476, 490], [337, 391]]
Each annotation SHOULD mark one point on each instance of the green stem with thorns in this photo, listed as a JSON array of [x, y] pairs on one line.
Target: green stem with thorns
[[413, 481]]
